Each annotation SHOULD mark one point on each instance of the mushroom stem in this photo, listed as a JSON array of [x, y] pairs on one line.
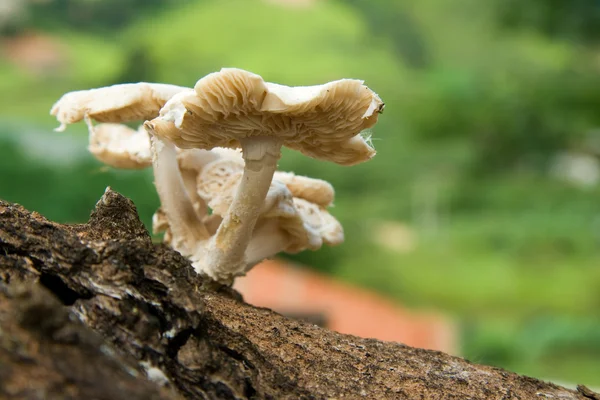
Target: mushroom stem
[[225, 256], [175, 202], [188, 178]]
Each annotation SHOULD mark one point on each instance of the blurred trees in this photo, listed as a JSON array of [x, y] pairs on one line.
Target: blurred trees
[[575, 20], [392, 20], [514, 114], [81, 14]]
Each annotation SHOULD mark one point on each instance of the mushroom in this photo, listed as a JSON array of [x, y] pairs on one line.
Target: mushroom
[[118, 103], [308, 227], [131, 102], [236, 108], [293, 217], [287, 222], [119, 146], [313, 190], [185, 223]]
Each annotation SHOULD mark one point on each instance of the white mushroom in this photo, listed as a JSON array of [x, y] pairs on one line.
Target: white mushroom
[[131, 102], [308, 227], [185, 224], [235, 108], [287, 222], [118, 103], [314, 190], [120, 146], [232, 108]]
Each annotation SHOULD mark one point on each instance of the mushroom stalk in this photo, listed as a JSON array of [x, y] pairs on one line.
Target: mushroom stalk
[[190, 163], [225, 257], [175, 202], [189, 182]]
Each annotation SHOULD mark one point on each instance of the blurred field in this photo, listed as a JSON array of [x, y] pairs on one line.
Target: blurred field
[[487, 172]]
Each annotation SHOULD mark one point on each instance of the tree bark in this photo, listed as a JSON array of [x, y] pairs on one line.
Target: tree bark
[[119, 317]]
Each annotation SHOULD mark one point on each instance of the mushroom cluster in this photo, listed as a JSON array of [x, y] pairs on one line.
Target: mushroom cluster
[[223, 208]]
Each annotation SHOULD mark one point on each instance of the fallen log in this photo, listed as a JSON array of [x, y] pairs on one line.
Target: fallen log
[[99, 311]]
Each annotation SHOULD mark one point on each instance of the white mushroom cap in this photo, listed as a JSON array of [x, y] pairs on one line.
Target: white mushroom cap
[[322, 121], [313, 190], [318, 222], [194, 159], [120, 146], [216, 180], [117, 103]]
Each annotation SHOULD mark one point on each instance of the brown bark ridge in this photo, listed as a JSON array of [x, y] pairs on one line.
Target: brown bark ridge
[[97, 311]]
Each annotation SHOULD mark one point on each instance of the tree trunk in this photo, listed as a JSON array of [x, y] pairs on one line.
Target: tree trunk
[[129, 319]]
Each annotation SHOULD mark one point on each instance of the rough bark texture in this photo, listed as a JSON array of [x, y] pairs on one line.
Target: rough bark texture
[[131, 320]]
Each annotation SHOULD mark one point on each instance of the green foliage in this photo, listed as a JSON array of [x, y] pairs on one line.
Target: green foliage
[[556, 347], [67, 193], [577, 20], [307, 46], [509, 126], [92, 15], [393, 21]]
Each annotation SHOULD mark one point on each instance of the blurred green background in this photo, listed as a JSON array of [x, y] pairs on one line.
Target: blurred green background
[[483, 200]]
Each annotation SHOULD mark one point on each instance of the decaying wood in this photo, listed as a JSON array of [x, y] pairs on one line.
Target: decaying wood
[[133, 312], [45, 354]]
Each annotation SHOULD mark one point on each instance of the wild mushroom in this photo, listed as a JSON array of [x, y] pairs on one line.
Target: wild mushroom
[[185, 224], [132, 102], [193, 161], [119, 146], [286, 223], [313, 190], [235, 108], [293, 217], [118, 103]]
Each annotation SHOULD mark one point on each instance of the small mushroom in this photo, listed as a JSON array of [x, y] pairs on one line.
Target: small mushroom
[[287, 222], [313, 190], [118, 103], [235, 108], [191, 163], [119, 146], [141, 101], [185, 224], [307, 228]]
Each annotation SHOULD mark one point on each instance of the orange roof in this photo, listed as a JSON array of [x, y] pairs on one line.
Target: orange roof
[[294, 290]]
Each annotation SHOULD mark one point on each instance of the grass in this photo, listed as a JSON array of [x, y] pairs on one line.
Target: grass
[[487, 264]]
